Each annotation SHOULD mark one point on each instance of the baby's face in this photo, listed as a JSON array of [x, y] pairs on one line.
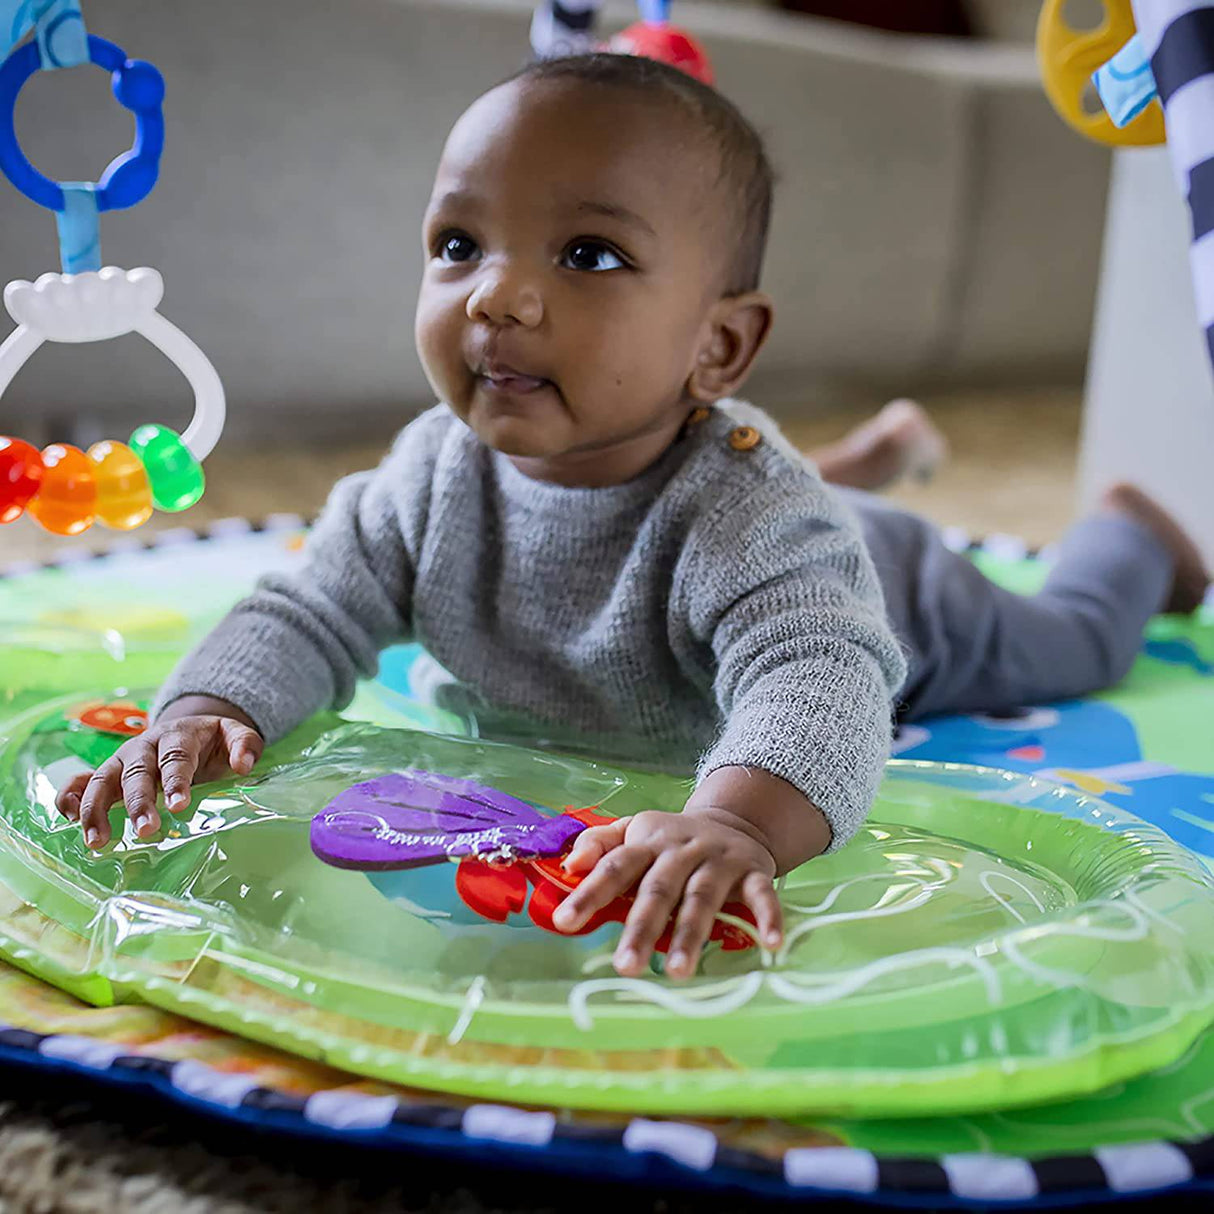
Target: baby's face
[[573, 254]]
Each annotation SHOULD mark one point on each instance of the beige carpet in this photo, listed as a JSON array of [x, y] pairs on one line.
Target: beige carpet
[[1012, 469]]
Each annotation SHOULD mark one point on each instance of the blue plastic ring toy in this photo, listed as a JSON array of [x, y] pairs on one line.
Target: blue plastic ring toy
[[138, 86]]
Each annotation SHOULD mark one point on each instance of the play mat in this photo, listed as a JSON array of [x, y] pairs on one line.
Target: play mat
[[1061, 953]]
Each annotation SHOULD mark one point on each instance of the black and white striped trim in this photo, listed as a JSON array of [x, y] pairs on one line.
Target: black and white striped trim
[[1178, 39], [643, 1148], [1008, 547]]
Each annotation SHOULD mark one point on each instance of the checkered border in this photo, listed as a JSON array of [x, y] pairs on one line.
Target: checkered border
[[221, 529], [643, 1150], [1006, 546]]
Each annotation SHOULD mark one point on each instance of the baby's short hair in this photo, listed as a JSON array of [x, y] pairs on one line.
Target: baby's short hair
[[746, 173]]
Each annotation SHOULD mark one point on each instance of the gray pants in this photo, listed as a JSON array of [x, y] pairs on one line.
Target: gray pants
[[977, 648]]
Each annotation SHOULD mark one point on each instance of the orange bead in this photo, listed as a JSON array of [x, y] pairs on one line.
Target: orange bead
[[124, 497], [67, 499]]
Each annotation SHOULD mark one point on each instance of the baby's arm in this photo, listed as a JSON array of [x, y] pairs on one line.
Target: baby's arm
[[786, 597], [300, 643], [294, 646]]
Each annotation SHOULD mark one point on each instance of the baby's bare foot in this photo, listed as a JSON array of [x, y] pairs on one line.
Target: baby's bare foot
[[1191, 579], [900, 441]]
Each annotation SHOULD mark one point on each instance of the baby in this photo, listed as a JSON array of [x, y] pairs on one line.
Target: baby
[[597, 541]]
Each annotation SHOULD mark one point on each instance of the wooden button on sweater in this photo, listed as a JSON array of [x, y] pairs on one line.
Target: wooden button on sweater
[[745, 438]]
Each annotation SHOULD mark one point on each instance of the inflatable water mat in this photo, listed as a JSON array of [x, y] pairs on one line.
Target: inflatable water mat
[[125, 617], [382, 898]]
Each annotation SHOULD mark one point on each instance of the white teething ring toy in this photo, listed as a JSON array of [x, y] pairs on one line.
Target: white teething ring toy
[[103, 304]]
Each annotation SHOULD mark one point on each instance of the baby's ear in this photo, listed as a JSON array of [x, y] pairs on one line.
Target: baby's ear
[[734, 333]]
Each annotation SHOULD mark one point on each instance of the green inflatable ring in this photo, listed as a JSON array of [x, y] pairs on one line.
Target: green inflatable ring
[[989, 940]]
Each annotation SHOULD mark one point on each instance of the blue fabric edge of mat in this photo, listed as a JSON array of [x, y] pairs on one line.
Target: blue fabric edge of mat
[[589, 1158]]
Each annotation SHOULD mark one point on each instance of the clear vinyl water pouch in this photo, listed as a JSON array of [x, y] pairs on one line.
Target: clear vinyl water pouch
[[382, 898]]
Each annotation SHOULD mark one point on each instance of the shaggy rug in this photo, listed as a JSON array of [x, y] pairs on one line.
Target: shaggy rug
[[73, 1148], [64, 1150]]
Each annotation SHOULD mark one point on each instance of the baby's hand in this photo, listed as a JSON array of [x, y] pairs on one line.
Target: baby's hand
[[174, 752], [692, 863]]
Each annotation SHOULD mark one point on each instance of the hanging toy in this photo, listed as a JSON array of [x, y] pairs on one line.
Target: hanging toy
[[566, 27], [1152, 65], [1072, 60], [655, 38], [117, 484]]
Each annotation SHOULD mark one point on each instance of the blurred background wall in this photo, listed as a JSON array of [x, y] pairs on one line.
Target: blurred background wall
[[937, 227]]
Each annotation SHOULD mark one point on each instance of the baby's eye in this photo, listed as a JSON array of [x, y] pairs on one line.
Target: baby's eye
[[456, 247], [591, 255]]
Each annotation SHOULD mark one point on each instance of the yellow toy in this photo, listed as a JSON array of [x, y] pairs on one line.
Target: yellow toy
[[1067, 58]]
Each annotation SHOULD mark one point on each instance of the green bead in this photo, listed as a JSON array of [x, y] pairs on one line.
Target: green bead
[[175, 475]]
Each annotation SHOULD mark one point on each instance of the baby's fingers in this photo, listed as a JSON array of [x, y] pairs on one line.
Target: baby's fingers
[[178, 753], [67, 802], [103, 789], [593, 844], [140, 780], [244, 745], [615, 874], [702, 899], [759, 894], [660, 892]]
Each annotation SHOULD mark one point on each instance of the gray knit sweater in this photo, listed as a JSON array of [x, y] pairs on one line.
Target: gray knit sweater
[[719, 610]]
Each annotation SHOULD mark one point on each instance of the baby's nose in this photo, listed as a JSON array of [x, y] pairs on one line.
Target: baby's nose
[[505, 296]]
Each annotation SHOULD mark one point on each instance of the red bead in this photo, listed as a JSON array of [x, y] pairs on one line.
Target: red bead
[[20, 476]]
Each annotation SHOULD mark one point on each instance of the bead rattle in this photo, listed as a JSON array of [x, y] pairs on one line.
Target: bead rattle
[[116, 484]]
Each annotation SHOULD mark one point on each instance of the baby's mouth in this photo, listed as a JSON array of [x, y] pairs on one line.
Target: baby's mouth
[[504, 380]]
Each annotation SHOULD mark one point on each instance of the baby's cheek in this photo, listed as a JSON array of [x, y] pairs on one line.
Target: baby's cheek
[[438, 335], [614, 370], [633, 391]]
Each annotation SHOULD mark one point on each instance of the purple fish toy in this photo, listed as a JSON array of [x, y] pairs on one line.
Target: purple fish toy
[[412, 818]]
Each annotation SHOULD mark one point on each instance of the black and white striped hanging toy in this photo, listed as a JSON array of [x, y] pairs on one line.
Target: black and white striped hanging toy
[[1152, 62]]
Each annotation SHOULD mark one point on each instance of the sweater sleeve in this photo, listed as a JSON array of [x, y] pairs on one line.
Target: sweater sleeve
[[781, 587], [299, 643]]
